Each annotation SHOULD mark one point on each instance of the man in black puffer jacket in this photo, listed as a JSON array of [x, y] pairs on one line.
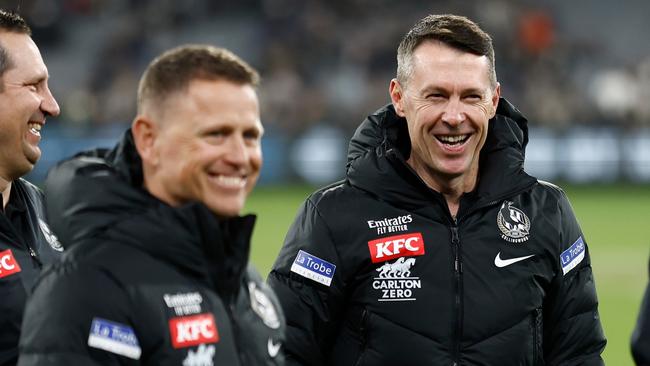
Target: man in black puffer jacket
[[156, 272], [26, 242], [641, 335], [438, 249]]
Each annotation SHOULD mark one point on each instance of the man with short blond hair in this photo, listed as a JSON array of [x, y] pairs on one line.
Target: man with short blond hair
[[156, 270]]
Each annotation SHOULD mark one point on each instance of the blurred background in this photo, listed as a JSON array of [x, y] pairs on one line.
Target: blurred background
[[579, 70]]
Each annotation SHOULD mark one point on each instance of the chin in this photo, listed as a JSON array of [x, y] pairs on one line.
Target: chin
[[222, 210]]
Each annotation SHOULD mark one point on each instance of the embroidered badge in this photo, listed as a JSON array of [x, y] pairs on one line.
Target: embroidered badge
[[513, 223], [384, 249], [571, 257], [114, 337], [395, 281], [49, 236], [314, 268], [8, 264], [188, 331], [263, 307]]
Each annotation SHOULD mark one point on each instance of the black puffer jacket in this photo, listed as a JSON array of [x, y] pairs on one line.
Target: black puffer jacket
[[641, 335], [143, 283], [375, 271], [26, 245]]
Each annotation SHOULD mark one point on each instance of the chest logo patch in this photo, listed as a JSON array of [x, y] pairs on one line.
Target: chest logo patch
[[203, 356], [395, 282], [263, 307], [193, 330], [114, 337], [8, 264], [184, 303], [314, 268], [49, 236], [385, 249], [513, 223], [391, 225], [571, 257]]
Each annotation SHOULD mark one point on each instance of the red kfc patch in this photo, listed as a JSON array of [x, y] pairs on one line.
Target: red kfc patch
[[188, 331], [8, 264], [406, 245]]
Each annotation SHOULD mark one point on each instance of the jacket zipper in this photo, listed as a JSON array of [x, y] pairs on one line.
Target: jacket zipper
[[34, 256], [458, 292], [230, 309]]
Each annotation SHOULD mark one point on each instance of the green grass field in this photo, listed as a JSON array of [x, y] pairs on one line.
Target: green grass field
[[614, 219]]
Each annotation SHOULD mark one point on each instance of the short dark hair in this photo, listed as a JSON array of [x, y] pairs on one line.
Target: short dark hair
[[14, 23], [175, 69], [453, 30]]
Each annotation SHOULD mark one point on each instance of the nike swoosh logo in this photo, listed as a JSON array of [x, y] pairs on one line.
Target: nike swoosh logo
[[506, 262], [273, 348]]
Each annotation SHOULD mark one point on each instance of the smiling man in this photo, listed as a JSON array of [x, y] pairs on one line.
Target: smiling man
[[438, 249], [156, 271], [26, 243]]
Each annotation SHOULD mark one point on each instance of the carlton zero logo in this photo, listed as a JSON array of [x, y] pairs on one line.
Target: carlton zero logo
[[391, 247], [192, 330], [395, 281], [8, 264]]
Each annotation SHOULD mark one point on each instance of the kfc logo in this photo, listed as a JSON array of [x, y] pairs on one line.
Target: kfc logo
[[392, 247], [193, 330], [8, 264]]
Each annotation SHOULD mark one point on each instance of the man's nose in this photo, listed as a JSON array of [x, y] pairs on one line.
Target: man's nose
[[453, 114], [49, 106]]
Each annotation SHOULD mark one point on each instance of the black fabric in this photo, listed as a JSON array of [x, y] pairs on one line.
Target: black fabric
[[23, 240], [432, 293], [128, 255], [641, 335]]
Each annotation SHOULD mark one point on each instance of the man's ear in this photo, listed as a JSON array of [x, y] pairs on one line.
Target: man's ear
[[495, 99], [397, 97], [145, 131]]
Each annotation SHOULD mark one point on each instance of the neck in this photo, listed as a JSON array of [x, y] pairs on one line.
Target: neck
[[451, 188], [5, 189]]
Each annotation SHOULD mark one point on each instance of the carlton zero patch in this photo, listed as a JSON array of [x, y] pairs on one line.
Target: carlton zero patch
[[391, 247], [8, 264], [188, 331], [395, 281], [571, 257], [314, 268], [114, 337]]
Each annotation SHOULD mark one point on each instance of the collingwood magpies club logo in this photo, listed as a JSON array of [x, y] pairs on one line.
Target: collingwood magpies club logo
[[513, 223], [49, 236]]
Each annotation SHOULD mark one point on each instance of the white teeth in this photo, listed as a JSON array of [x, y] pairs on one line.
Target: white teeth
[[35, 128], [229, 181], [452, 139]]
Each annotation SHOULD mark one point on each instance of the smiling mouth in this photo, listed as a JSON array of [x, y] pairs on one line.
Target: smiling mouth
[[230, 181], [35, 128], [453, 140]]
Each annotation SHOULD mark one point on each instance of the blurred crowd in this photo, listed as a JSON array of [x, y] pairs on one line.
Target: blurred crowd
[[329, 62]]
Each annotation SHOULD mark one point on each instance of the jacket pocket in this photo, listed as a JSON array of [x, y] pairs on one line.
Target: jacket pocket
[[537, 322]]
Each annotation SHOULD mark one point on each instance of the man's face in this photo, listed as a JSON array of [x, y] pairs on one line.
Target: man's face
[[209, 146], [25, 101], [447, 103]]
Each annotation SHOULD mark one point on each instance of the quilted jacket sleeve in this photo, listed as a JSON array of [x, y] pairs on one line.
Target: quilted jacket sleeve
[[301, 279], [573, 334], [641, 335]]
